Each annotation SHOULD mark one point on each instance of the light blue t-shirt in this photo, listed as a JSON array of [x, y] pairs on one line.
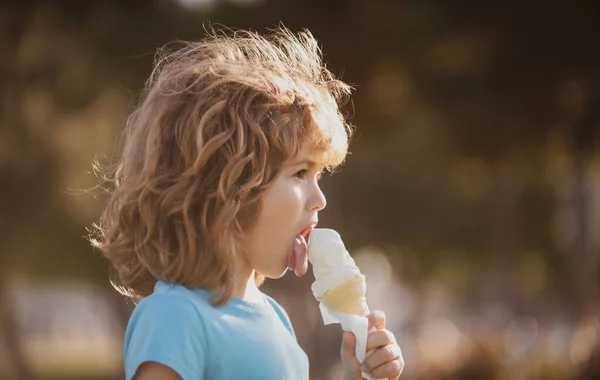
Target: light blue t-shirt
[[180, 328]]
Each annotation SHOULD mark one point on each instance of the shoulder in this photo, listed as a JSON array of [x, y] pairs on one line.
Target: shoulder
[[173, 302], [158, 309], [167, 328], [174, 299]]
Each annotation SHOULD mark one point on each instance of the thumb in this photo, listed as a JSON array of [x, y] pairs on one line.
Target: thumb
[[348, 351]]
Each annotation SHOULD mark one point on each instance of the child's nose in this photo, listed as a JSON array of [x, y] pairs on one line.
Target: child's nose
[[318, 201]]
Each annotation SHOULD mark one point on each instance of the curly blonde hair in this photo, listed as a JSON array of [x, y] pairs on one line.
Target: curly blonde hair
[[216, 121]]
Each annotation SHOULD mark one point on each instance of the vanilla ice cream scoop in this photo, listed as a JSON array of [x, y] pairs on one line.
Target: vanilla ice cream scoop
[[332, 264]]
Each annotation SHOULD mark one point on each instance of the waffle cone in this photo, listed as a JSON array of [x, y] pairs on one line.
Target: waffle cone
[[348, 298]]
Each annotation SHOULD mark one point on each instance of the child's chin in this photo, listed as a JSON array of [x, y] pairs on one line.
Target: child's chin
[[276, 274]]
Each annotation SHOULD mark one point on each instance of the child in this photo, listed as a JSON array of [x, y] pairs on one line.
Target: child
[[216, 189]]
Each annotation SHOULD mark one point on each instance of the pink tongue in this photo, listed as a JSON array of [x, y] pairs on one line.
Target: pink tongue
[[299, 257]]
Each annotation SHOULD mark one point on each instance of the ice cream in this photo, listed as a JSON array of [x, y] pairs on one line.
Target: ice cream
[[339, 286]]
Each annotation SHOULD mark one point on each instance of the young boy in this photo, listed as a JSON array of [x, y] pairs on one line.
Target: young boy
[[216, 189]]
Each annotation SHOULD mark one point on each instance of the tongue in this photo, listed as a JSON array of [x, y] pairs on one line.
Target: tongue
[[298, 257]]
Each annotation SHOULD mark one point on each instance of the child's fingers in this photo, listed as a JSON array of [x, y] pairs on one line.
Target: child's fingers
[[390, 370], [377, 320], [380, 338], [380, 360], [348, 346]]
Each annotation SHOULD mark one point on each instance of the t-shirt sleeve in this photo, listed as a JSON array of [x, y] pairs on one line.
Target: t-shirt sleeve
[[166, 328]]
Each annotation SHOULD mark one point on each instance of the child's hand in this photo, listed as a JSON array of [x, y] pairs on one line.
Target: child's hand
[[386, 359]]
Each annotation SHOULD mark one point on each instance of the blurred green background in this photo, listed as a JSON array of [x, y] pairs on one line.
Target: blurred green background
[[471, 199]]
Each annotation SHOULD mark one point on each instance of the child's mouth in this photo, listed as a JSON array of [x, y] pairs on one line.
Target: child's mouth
[[306, 232], [298, 258]]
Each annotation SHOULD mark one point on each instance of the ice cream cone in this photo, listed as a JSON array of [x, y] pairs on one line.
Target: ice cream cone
[[339, 286], [347, 298]]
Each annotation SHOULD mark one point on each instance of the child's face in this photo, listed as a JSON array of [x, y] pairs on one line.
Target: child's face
[[288, 207]]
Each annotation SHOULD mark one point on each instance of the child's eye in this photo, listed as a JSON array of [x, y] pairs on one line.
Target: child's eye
[[301, 174]]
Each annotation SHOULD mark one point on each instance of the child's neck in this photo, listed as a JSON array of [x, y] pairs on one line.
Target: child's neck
[[246, 289]]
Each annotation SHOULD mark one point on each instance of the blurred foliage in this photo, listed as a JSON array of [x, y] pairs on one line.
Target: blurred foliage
[[475, 164]]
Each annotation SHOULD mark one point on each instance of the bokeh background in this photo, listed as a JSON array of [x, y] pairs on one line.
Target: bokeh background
[[471, 199]]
